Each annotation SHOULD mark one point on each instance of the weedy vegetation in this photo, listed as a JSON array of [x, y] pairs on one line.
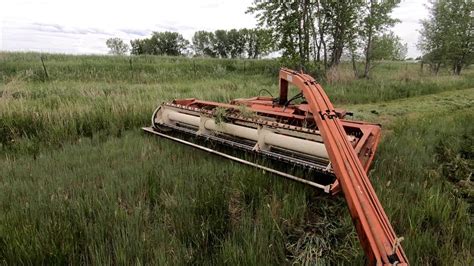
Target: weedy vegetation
[[80, 183], [219, 115]]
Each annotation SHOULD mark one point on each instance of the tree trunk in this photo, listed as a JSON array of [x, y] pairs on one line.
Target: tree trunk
[[457, 69], [336, 55], [338, 45], [325, 52], [318, 57], [460, 63], [438, 65], [322, 42], [300, 37], [306, 27], [322, 45], [368, 48], [320, 32], [368, 54], [316, 46], [354, 65]]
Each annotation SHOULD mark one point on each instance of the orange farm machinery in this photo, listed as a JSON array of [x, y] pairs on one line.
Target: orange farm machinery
[[304, 132]]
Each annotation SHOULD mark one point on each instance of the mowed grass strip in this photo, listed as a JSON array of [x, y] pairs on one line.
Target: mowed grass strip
[[386, 113]]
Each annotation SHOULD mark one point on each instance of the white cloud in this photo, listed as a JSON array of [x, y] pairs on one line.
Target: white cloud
[[82, 26], [410, 12]]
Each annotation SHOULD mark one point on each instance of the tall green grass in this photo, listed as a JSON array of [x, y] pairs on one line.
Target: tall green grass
[[139, 199], [135, 69], [79, 182], [88, 95], [424, 203]]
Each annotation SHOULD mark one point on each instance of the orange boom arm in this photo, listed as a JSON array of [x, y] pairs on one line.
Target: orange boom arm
[[372, 225]]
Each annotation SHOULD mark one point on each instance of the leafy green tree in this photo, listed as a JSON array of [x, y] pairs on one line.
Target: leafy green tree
[[221, 43], [203, 42], [161, 43], [388, 46], [447, 35], [375, 20], [169, 43], [432, 39], [258, 42], [324, 29], [136, 47], [302, 29], [233, 43], [116, 46], [236, 43], [341, 19], [288, 22], [142, 46]]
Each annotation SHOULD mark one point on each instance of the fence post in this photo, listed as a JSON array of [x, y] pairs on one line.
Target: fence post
[[44, 67]]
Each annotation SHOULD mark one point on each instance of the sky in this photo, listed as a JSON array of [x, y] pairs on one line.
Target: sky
[[83, 26]]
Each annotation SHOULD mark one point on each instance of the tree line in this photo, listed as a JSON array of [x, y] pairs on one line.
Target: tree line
[[318, 34], [250, 43], [234, 43]]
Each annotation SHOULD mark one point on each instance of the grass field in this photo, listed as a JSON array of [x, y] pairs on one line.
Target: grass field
[[80, 183]]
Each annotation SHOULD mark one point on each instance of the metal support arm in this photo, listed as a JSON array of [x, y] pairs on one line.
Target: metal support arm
[[372, 225]]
